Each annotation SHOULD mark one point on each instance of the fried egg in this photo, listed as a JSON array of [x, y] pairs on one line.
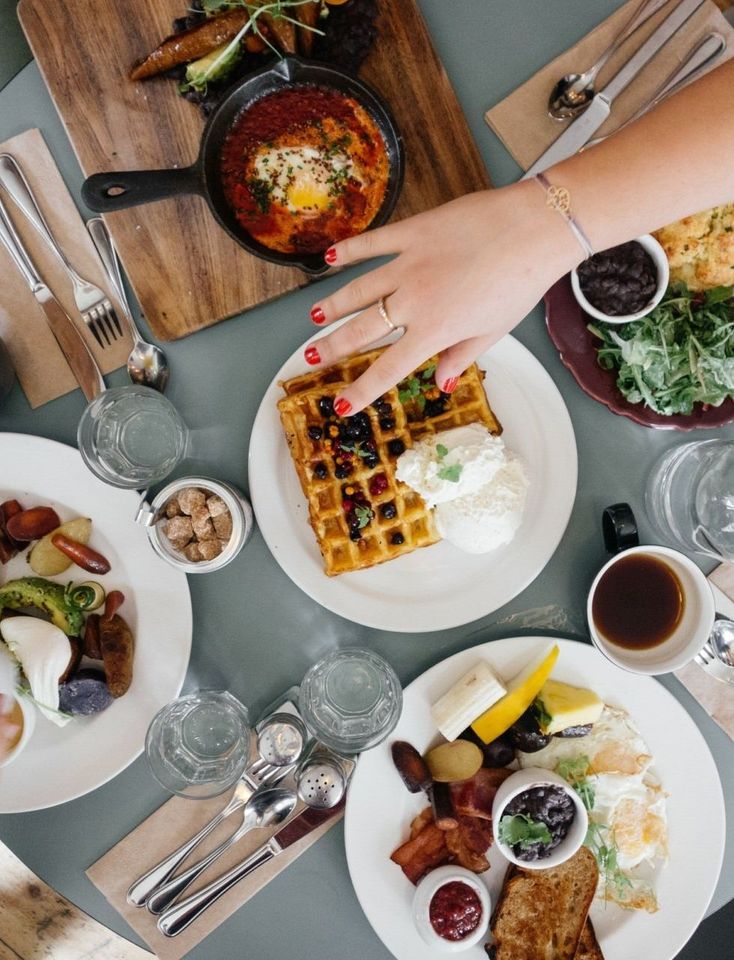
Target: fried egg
[[628, 800], [303, 179]]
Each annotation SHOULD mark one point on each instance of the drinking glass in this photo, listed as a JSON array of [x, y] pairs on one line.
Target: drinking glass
[[690, 497], [198, 746], [351, 700], [132, 437]]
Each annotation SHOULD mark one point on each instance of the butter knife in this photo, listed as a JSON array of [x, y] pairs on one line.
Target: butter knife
[[584, 127], [77, 353], [174, 920]]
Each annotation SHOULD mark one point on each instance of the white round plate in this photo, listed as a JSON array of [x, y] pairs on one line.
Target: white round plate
[[437, 587], [379, 808], [61, 763]]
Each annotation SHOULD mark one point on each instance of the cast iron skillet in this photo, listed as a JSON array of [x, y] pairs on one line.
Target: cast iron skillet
[[106, 192]]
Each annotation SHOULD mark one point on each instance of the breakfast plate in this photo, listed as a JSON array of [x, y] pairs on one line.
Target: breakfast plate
[[437, 587], [62, 763], [379, 808], [566, 323]]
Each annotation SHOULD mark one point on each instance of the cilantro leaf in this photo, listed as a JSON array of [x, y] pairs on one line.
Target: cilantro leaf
[[451, 473], [521, 831], [427, 374]]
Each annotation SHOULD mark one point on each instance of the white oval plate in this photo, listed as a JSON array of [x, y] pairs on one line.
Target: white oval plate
[[436, 587], [379, 808], [62, 763]]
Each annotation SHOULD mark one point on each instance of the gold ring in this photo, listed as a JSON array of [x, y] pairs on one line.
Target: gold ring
[[382, 310]]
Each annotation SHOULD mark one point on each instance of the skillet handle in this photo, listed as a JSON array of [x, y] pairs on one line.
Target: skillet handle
[[107, 192]]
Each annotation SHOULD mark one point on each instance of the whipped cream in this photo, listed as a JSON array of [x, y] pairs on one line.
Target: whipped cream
[[477, 486]]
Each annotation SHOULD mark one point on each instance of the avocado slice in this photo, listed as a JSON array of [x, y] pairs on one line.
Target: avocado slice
[[45, 595], [214, 66]]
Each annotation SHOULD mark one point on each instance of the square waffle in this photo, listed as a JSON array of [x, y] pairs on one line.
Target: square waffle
[[360, 512]]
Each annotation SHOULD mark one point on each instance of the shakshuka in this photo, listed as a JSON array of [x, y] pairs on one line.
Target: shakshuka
[[304, 167]]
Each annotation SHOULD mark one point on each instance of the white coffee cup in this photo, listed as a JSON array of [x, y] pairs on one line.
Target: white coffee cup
[[691, 632]]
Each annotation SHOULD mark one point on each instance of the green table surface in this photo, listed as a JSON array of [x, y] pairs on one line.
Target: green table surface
[[254, 631]]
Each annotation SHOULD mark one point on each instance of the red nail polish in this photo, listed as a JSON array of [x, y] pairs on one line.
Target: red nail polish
[[330, 255], [318, 315], [342, 407], [312, 356], [450, 385]]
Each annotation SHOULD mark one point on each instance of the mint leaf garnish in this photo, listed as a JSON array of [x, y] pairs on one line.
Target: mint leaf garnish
[[451, 473], [441, 450]]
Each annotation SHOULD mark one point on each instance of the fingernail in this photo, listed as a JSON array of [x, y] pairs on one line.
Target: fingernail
[[312, 356], [318, 315], [342, 407], [450, 385], [330, 255]]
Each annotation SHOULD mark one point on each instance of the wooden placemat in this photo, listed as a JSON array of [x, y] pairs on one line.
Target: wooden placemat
[[40, 365], [185, 270]]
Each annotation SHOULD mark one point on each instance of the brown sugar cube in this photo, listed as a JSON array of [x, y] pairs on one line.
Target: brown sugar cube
[[192, 552], [202, 524], [216, 506], [191, 499], [179, 531], [172, 508], [223, 525], [209, 549]]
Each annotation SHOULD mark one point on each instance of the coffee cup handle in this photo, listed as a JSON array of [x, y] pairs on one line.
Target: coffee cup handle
[[619, 528]]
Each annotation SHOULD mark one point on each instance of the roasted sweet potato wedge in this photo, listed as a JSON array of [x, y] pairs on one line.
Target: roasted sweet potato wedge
[[117, 644], [191, 44], [308, 15]]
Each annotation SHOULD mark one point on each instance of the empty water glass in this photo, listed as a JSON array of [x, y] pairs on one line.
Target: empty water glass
[[132, 437], [198, 745], [690, 497], [351, 700]]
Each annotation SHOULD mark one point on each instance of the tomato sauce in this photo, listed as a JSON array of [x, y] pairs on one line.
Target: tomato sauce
[[455, 911], [304, 167]]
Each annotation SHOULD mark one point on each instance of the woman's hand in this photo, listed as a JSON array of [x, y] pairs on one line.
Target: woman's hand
[[465, 274]]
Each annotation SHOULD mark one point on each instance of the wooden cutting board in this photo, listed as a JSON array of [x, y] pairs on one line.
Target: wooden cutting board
[[186, 272]]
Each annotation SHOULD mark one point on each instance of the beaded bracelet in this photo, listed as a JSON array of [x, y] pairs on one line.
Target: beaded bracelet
[[559, 199]]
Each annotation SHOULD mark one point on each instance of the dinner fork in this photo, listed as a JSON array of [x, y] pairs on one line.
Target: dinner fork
[[259, 774], [92, 303]]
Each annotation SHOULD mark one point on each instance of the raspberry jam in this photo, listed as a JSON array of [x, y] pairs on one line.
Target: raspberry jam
[[455, 911]]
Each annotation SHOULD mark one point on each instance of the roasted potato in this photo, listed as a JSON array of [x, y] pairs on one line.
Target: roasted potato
[[458, 760], [46, 560]]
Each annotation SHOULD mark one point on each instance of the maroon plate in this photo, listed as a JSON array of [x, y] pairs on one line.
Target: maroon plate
[[566, 323]]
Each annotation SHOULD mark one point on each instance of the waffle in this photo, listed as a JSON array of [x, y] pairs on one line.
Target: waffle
[[360, 486]]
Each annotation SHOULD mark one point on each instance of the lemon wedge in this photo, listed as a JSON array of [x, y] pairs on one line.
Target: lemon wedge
[[521, 691]]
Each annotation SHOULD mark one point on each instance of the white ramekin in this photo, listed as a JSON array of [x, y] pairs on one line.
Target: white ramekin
[[518, 783], [422, 900], [689, 636], [29, 724], [238, 506], [663, 270]]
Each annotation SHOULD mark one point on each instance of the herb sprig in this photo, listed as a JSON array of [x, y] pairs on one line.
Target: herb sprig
[[448, 471], [521, 830], [680, 354]]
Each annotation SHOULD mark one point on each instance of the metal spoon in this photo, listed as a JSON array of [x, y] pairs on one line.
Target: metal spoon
[[699, 59], [263, 809], [574, 92], [722, 640], [147, 364]]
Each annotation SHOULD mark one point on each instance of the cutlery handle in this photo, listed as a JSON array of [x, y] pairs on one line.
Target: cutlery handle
[[144, 886], [105, 248], [177, 918], [13, 180], [164, 896], [12, 243], [640, 16]]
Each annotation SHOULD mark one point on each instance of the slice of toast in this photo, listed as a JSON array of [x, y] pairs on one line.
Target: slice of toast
[[588, 948], [541, 914]]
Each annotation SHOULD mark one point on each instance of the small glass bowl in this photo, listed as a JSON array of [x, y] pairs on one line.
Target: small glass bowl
[[237, 504]]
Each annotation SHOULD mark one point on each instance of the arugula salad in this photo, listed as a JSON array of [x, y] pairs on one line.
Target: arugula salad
[[680, 354]]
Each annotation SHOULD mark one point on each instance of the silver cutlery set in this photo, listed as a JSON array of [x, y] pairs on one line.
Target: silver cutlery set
[[575, 98], [146, 364], [319, 779]]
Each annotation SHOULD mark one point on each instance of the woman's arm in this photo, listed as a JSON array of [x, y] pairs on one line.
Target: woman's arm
[[467, 272]]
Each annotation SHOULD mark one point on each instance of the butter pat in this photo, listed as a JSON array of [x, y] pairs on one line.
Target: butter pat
[[466, 700], [567, 706]]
